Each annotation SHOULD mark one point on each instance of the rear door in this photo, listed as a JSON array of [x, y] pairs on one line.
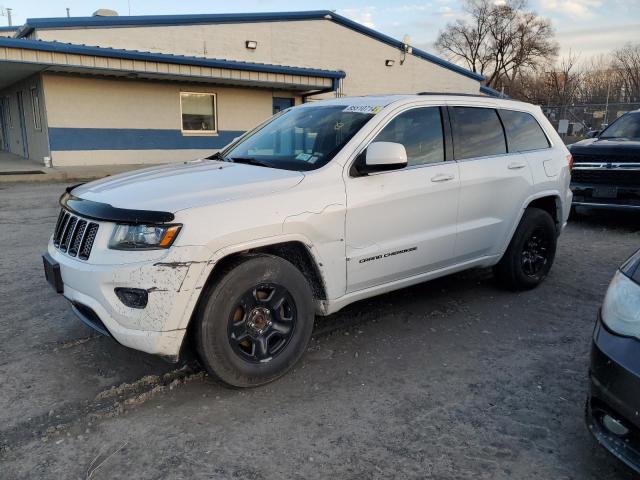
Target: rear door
[[526, 136], [402, 223], [493, 183]]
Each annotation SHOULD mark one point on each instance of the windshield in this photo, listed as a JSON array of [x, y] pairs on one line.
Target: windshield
[[627, 126], [301, 138]]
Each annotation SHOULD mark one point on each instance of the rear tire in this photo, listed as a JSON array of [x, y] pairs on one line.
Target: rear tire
[[531, 252], [255, 322]]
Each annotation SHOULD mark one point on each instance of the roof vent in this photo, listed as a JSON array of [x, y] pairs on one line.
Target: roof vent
[[104, 12]]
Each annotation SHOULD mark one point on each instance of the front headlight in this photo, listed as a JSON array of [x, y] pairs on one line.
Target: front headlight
[[621, 307], [143, 237]]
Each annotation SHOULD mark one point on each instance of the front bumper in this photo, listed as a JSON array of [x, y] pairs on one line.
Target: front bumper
[[627, 197], [614, 377], [173, 284]]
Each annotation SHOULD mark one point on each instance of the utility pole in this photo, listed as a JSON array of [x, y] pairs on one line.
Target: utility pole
[[606, 105], [68, 12], [6, 12]]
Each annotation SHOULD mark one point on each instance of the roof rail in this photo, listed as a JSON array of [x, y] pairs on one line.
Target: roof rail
[[457, 94]]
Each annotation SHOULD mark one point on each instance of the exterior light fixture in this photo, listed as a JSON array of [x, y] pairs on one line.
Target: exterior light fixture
[[251, 44], [389, 63]]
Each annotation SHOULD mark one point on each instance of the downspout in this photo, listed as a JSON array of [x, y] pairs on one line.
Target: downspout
[[335, 85]]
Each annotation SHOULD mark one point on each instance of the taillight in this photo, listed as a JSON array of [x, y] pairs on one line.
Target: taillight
[[570, 161]]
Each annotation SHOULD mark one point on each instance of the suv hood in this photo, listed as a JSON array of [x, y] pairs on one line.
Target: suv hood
[[185, 185], [597, 146]]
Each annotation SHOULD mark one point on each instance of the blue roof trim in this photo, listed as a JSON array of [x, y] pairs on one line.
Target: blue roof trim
[[491, 92], [48, 46], [9, 29], [164, 20]]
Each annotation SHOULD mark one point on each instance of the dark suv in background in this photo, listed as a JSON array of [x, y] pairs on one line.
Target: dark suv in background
[[606, 171]]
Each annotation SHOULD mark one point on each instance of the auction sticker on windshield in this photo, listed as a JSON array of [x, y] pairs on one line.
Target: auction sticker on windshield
[[363, 109]]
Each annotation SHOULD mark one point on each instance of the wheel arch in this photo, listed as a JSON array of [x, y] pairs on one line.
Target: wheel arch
[[296, 250], [550, 203]]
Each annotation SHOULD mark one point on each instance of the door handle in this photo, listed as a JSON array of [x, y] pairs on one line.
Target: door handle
[[516, 165], [442, 177]]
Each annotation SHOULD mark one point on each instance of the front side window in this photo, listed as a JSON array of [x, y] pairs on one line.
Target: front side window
[[524, 133], [627, 126], [303, 138], [478, 133], [198, 112], [420, 131]]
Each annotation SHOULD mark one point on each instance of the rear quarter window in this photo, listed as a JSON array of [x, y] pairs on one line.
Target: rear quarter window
[[478, 133], [523, 131]]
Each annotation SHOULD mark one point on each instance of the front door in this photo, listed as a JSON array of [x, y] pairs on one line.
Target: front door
[[23, 126], [403, 223]]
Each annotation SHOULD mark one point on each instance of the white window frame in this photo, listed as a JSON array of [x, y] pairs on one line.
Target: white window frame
[[35, 110], [215, 114]]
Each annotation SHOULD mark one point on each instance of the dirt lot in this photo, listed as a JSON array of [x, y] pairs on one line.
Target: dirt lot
[[451, 379]]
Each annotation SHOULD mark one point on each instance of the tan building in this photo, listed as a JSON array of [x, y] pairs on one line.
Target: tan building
[[153, 89], [8, 31]]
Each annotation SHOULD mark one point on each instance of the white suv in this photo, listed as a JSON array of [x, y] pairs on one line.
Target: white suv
[[322, 205]]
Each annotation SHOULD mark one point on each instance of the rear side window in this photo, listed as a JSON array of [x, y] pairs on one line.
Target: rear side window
[[478, 133], [420, 131], [523, 131]]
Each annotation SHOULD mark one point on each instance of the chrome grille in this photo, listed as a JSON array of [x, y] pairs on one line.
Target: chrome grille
[[609, 158], [74, 235], [606, 176]]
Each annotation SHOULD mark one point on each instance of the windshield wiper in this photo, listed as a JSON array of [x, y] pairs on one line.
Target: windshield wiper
[[216, 156], [250, 161]]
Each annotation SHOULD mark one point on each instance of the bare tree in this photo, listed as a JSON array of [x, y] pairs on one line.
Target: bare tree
[[468, 41], [499, 40], [564, 82], [627, 62]]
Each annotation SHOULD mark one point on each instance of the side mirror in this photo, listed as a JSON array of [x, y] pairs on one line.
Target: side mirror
[[382, 157], [593, 133]]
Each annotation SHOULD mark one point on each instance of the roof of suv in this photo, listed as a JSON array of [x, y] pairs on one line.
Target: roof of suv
[[384, 100]]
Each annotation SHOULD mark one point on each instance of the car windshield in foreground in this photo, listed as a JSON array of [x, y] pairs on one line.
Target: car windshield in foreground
[[300, 139], [626, 127]]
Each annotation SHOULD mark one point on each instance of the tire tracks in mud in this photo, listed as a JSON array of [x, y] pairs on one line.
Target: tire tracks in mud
[[108, 403], [120, 399]]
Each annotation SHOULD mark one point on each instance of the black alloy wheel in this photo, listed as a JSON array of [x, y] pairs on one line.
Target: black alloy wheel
[[254, 320], [262, 322], [530, 253], [535, 254]]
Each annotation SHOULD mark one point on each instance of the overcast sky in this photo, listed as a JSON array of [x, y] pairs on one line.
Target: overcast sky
[[587, 27]]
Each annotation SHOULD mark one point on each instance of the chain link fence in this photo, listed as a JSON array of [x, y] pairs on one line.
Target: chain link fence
[[573, 122]]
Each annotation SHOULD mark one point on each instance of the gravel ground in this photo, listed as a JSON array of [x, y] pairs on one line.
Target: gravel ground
[[455, 378]]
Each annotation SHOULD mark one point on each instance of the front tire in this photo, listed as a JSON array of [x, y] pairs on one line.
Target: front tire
[[256, 321], [531, 252]]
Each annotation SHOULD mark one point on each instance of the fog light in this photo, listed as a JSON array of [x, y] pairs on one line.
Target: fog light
[[132, 297], [614, 425]]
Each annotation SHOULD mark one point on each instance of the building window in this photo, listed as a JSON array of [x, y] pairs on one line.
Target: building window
[[35, 106], [198, 112]]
